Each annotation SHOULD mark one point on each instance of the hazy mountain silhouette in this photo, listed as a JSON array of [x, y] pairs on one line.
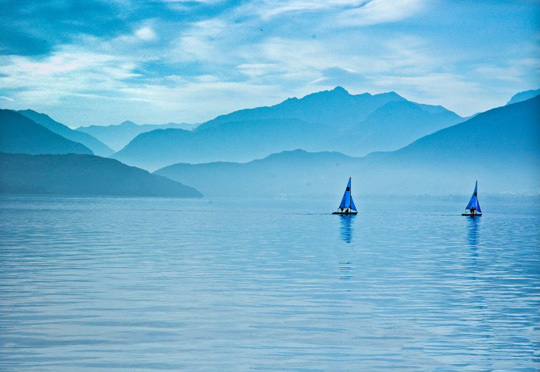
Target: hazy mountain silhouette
[[394, 125], [288, 173], [324, 121], [82, 175], [500, 148], [92, 143], [523, 96], [239, 141], [334, 107], [19, 134], [506, 134], [118, 136]]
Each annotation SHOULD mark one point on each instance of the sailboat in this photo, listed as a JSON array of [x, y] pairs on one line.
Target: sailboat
[[347, 204], [474, 205]]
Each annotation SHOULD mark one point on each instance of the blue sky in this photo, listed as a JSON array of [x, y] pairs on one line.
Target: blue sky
[[102, 62]]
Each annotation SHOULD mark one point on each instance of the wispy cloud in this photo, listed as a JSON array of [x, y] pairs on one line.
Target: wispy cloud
[[189, 60], [269, 9], [66, 72], [380, 11], [343, 12]]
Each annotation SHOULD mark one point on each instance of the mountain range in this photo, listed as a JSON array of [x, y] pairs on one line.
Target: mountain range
[[18, 134], [37, 160], [332, 107], [118, 136], [523, 96], [75, 174], [500, 148], [326, 121], [92, 143]]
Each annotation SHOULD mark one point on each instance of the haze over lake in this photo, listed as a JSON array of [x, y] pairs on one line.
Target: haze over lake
[[153, 284]]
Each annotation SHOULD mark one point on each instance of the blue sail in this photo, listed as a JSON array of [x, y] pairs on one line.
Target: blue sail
[[353, 207], [473, 203], [347, 201]]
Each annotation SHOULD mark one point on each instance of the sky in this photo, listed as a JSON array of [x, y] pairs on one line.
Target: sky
[[101, 62]]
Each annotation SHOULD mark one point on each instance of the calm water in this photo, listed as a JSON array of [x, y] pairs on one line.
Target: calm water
[[111, 284]]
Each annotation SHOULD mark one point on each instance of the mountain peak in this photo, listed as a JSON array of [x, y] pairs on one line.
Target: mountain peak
[[128, 122], [337, 93], [392, 94], [29, 110], [340, 89], [32, 114], [523, 96]]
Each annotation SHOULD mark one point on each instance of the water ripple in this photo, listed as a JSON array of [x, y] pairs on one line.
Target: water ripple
[[112, 284]]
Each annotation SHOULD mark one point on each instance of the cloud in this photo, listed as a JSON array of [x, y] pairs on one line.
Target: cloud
[[237, 41], [146, 33], [337, 13], [66, 72], [270, 9], [457, 92], [188, 60], [191, 1], [335, 76], [39, 27], [380, 11], [203, 41], [36, 27]]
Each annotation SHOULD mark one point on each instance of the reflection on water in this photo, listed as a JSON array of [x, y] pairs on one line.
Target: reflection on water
[[345, 270], [347, 228], [346, 234], [472, 232]]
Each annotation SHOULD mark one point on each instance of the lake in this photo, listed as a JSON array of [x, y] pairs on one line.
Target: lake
[[152, 284]]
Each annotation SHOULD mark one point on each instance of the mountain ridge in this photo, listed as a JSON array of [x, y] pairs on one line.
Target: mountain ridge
[[523, 96], [253, 133], [77, 174], [118, 136], [20, 134], [499, 147], [63, 130], [337, 98]]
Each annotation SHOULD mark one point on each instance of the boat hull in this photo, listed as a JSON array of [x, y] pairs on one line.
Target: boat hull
[[471, 215], [345, 213]]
